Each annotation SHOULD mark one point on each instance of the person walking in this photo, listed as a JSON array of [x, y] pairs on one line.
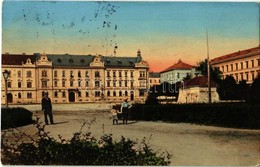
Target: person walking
[[125, 109], [115, 113], [47, 108]]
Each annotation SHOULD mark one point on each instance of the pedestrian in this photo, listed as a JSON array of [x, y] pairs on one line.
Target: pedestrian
[[115, 113], [125, 109], [47, 108]]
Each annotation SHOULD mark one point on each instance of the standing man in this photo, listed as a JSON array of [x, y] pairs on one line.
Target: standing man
[[47, 108], [124, 109]]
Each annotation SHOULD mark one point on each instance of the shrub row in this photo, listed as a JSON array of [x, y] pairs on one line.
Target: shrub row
[[237, 115], [14, 117], [81, 149]]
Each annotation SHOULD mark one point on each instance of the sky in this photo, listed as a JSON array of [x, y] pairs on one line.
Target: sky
[[164, 31]]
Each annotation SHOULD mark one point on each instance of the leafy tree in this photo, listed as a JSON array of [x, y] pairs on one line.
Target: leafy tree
[[216, 75], [253, 93]]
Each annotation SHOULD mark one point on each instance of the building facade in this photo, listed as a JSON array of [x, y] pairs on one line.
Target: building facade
[[177, 72], [154, 79], [74, 78], [242, 65]]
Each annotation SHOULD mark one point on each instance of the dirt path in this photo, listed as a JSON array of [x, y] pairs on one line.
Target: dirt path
[[189, 144]]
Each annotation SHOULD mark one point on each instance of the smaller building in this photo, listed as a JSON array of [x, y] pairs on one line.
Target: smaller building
[[177, 72], [195, 90], [154, 79]]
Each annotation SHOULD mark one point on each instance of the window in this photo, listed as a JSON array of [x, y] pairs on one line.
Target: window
[[252, 62], [19, 95], [86, 84], [120, 93], [108, 93], [108, 83], [222, 67], [44, 73], [56, 94], [132, 74], [63, 83], [114, 93], [97, 84], [236, 66], [55, 83], [114, 73], [142, 74], [9, 84], [19, 74], [87, 94], [97, 93], [120, 73], [227, 67], [253, 75], [44, 84], [29, 84], [178, 75], [126, 93], [141, 92], [231, 66], [79, 94], [132, 83], [97, 74], [29, 95], [79, 83], [29, 74], [242, 77], [79, 74], [246, 64], [120, 83], [71, 83], [55, 73], [63, 74], [114, 83], [19, 84], [108, 73], [63, 94], [71, 74], [258, 62], [125, 83], [241, 65], [247, 76], [125, 73]]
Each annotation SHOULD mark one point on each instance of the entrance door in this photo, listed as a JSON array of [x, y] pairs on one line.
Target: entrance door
[[9, 97], [132, 96], [71, 97]]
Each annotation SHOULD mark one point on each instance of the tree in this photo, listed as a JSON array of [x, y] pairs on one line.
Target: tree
[[254, 89], [215, 74]]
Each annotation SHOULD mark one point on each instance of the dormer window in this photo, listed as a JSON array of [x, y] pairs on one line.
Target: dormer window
[[108, 61], [119, 61], [59, 60], [82, 61], [131, 61], [28, 61]]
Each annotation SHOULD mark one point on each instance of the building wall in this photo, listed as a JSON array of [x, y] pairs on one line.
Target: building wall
[[176, 75], [75, 84], [197, 95], [154, 81], [246, 68]]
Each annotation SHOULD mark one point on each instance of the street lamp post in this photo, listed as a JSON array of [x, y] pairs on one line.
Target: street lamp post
[[6, 75]]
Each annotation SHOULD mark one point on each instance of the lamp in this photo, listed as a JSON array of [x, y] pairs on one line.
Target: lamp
[[6, 75]]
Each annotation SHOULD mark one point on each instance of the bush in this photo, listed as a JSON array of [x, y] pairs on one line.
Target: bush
[[237, 115], [14, 117], [81, 149]]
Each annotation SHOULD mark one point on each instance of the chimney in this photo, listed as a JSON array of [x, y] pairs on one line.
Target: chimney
[[139, 52]]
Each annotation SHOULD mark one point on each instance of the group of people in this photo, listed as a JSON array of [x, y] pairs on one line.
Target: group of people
[[47, 110], [124, 110]]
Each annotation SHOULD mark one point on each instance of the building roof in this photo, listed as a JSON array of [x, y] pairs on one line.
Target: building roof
[[154, 75], [179, 66], [236, 55], [16, 59], [200, 81], [72, 60]]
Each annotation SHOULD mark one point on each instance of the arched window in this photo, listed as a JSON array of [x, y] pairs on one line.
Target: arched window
[[19, 95], [126, 93], [29, 74]]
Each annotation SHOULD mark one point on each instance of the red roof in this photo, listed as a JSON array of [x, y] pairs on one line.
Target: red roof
[[179, 65], [14, 59], [200, 81], [235, 55]]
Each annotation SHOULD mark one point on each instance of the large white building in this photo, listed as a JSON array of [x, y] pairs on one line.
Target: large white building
[[74, 78], [177, 72], [242, 65]]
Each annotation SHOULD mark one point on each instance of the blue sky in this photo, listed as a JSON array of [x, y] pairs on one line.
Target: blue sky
[[164, 31]]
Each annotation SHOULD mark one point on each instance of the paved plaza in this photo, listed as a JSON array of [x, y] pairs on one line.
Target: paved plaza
[[189, 144]]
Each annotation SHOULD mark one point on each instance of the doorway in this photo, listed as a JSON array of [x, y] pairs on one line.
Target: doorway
[[71, 96]]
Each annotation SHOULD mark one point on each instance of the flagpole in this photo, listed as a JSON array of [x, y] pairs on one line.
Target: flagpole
[[208, 65]]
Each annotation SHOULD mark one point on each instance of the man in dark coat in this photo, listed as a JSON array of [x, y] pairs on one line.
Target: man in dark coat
[[47, 108]]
